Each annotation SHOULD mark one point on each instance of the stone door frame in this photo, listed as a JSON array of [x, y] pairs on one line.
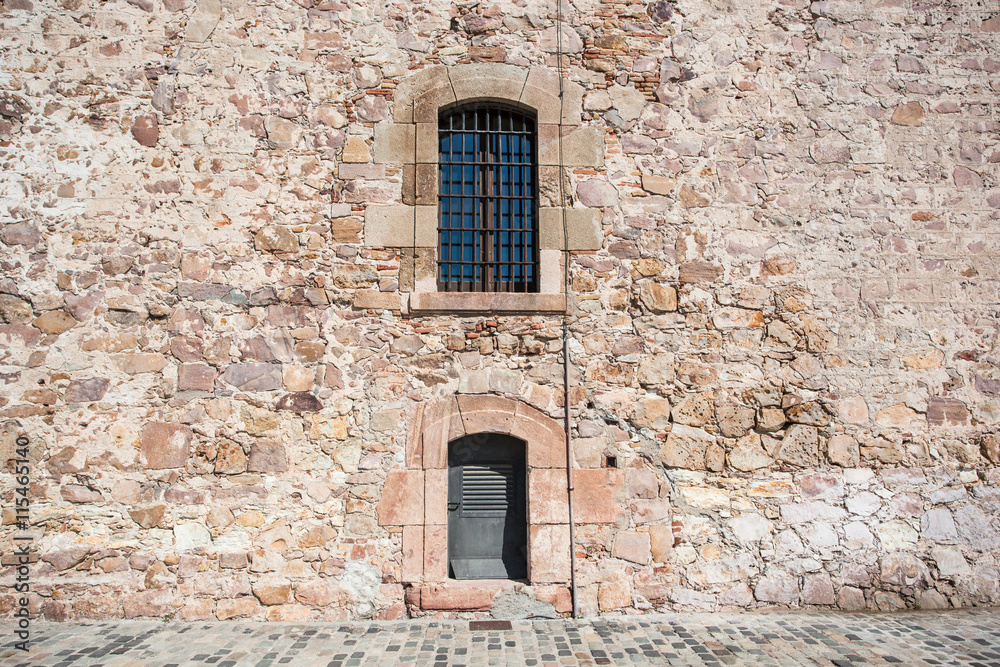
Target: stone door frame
[[416, 498]]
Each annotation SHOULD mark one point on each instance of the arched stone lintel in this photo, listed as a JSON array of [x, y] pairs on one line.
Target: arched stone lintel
[[442, 421], [419, 98]]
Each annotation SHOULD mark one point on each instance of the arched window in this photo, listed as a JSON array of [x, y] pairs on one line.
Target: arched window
[[488, 203]]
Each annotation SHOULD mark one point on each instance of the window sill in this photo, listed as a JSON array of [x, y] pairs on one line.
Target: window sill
[[487, 302]]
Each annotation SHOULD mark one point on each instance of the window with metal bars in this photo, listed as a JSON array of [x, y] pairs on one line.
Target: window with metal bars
[[488, 207]]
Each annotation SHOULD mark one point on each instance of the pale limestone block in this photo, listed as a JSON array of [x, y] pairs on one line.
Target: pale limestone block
[[427, 142], [425, 229], [427, 105], [550, 229], [487, 80], [201, 25], [581, 146], [365, 299], [410, 88], [584, 227], [658, 185], [546, 103], [356, 150], [426, 178], [552, 265], [541, 92], [394, 143], [389, 226]]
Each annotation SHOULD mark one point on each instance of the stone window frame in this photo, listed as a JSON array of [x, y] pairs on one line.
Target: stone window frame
[[410, 141]]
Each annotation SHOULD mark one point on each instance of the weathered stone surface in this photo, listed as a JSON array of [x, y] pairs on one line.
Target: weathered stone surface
[[596, 495], [748, 454], [15, 310], [54, 322], [165, 445], [910, 113], [658, 298], [596, 193], [268, 457], [282, 134], [276, 238], [750, 527], [253, 376], [777, 588], [817, 589], [686, 447], [652, 412], [698, 271], [148, 517], [230, 459], [76, 493], [800, 446], [735, 421], [791, 310], [188, 536], [272, 590], [85, 391], [197, 377], [976, 529], [634, 547], [299, 401]]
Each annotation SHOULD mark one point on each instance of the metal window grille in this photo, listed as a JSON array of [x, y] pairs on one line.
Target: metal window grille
[[487, 226]]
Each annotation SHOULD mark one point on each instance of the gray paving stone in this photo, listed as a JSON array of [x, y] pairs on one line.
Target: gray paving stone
[[932, 639]]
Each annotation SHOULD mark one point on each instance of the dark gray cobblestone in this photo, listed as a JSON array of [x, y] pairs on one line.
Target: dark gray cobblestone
[[968, 638]]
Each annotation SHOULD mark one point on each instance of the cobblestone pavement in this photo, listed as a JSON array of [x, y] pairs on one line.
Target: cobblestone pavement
[[970, 638]]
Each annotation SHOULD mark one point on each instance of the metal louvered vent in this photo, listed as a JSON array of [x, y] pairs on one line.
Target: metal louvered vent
[[487, 490]]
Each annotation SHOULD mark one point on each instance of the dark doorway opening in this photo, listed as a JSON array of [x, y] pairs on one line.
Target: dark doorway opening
[[487, 517]]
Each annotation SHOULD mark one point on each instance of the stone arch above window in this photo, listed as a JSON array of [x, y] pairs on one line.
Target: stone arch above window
[[411, 141]]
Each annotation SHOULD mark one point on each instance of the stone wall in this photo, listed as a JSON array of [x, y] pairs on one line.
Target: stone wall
[[786, 341]]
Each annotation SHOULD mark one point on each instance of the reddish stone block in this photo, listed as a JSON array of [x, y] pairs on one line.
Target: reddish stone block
[[196, 377], [199, 609], [634, 547], [459, 596], [487, 414], [156, 603], [402, 501], [440, 424], [548, 553], [436, 496], [548, 496], [557, 596], [289, 613], [165, 445], [393, 612], [414, 450], [545, 436], [597, 495], [435, 553], [267, 456], [413, 554], [97, 607], [243, 606]]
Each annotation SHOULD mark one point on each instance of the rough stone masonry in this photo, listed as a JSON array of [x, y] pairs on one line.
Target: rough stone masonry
[[783, 305]]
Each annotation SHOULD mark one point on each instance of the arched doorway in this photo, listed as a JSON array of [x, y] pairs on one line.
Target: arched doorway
[[487, 507]]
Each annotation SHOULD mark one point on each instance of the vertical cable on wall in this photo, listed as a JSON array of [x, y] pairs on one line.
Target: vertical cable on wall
[[567, 417]]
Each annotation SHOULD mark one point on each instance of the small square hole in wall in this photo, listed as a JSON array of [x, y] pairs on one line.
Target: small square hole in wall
[[610, 461]]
